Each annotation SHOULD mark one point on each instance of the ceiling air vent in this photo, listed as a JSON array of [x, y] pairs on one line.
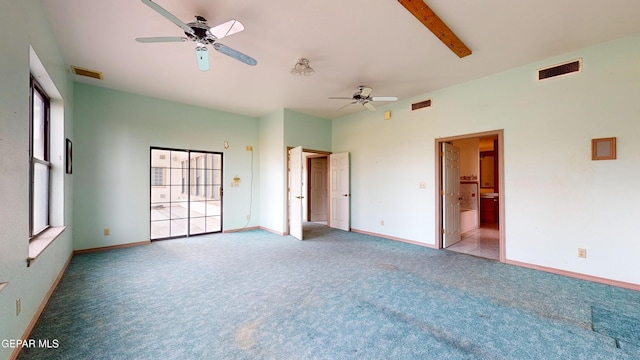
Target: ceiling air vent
[[559, 70], [421, 104], [86, 72]]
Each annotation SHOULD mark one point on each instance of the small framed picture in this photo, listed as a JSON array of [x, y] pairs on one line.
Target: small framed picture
[[69, 157], [603, 149]]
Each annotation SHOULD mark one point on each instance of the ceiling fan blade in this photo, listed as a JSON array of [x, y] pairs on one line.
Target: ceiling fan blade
[[161, 39], [229, 28], [384, 98], [203, 58], [369, 106], [344, 106], [235, 54], [160, 10], [366, 91], [341, 98]]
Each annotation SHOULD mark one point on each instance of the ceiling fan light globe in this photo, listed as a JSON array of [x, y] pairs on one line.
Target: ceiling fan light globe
[[202, 56]]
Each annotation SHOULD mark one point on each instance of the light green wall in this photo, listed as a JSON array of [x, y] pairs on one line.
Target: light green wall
[[114, 131], [308, 131], [557, 198], [279, 130], [272, 172], [23, 24]]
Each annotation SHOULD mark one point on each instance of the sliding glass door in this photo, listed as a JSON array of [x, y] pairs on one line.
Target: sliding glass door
[[186, 193]]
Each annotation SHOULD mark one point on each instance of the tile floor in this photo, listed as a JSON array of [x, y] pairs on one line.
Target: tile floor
[[483, 242]]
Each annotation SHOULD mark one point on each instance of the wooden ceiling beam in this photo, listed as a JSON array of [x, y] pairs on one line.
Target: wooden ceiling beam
[[428, 18]]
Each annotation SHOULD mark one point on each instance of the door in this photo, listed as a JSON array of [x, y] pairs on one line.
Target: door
[[186, 193], [318, 184], [295, 192], [340, 196], [451, 194]]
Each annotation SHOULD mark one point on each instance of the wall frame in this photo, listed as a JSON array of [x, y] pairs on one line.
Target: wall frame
[[603, 149]]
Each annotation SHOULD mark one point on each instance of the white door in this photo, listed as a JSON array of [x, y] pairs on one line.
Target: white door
[[295, 192], [451, 194], [340, 195]]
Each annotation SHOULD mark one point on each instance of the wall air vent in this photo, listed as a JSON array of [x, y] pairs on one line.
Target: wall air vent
[[421, 104], [559, 70], [86, 72]]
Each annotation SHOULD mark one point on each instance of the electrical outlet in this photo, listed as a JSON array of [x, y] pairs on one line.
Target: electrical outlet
[[248, 217], [18, 306], [107, 232], [582, 253], [381, 222]]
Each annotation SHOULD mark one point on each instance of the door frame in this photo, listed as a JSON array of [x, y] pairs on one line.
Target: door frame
[[438, 185], [288, 189]]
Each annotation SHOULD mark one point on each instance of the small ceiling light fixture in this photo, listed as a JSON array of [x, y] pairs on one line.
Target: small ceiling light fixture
[[302, 68]]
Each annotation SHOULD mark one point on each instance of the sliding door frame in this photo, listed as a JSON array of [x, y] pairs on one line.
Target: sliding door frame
[[194, 180]]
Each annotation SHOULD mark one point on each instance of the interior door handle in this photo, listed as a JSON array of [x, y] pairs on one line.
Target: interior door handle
[[345, 194], [299, 197]]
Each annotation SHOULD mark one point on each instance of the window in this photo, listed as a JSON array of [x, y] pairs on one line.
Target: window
[[40, 169], [157, 176], [186, 193]]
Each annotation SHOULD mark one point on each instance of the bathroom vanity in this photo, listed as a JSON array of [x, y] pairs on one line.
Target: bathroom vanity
[[489, 208]]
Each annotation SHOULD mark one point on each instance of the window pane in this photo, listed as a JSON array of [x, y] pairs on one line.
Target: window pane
[[160, 211], [216, 161], [179, 227], [160, 158], [39, 126], [213, 223], [179, 210], [197, 209], [40, 197], [213, 208], [157, 176], [197, 226], [217, 177], [159, 194], [160, 229], [179, 159], [215, 195], [176, 193]]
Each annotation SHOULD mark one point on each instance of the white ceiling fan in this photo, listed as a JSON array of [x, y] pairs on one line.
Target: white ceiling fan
[[202, 34], [363, 96]]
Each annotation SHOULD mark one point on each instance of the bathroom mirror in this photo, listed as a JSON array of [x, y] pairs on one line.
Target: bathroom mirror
[[487, 163]]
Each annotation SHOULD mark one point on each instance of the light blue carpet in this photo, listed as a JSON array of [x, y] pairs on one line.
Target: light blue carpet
[[337, 295]]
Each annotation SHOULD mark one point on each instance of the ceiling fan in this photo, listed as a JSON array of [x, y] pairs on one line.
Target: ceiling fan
[[202, 34], [363, 96]]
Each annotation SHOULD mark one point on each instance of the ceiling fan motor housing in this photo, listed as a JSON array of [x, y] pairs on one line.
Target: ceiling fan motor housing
[[200, 31]]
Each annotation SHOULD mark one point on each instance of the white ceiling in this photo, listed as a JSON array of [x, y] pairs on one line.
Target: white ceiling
[[349, 43]]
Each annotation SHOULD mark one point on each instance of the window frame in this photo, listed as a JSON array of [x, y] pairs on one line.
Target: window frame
[[35, 87]]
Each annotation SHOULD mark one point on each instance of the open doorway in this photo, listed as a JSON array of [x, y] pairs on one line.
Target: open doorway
[[319, 195], [470, 194], [308, 199], [317, 188]]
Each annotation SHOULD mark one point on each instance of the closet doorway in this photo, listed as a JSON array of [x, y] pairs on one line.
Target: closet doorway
[[470, 194], [186, 193]]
